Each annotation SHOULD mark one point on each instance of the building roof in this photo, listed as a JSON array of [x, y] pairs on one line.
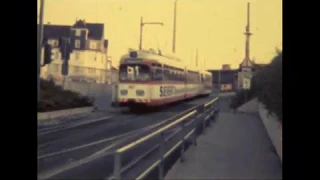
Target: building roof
[[106, 43], [246, 63], [95, 29], [57, 31]]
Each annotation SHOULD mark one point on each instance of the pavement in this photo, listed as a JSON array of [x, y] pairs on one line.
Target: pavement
[[82, 147], [236, 146]]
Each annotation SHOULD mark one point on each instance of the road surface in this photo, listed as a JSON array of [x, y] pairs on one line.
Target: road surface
[[82, 148]]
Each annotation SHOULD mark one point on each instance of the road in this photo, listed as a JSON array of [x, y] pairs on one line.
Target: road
[[82, 148]]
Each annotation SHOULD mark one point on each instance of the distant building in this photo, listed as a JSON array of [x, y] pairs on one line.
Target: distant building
[[89, 58], [228, 78], [225, 77], [226, 67]]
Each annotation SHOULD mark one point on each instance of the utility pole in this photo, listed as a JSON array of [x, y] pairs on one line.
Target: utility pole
[[247, 49], [197, 57], [141, 29], [39, 44], [247, 33], [174, 27], [64, 65]]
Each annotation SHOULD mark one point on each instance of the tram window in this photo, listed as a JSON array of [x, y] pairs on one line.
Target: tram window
[[134, 72], [157, 74], [166, 74]]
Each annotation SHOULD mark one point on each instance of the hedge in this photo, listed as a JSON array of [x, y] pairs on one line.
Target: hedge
[[266, 85], [53, 97], [269, 82]]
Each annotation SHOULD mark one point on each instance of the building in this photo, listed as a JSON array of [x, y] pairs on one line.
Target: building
[[89, 59], [226, 67], [228, 78], [224, 77]]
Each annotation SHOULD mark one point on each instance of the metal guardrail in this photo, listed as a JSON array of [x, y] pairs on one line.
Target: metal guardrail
[[207, 111]]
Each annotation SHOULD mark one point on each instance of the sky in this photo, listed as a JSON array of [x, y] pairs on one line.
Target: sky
[[214, 27]]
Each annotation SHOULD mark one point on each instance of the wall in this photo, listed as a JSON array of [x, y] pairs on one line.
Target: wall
[[101, 93], [273, 127], [91, 64]]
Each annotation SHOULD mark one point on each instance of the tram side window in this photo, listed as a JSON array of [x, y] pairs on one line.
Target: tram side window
[[172, 74], [157, 74], [180, 76], [193, 77]]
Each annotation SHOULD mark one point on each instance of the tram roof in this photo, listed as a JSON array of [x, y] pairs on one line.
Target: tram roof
[[206, 72], [167, 59]]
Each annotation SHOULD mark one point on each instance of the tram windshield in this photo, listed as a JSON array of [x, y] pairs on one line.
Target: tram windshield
[[134, 72]]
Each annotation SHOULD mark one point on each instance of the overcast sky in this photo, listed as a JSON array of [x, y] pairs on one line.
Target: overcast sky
[[215, 27]]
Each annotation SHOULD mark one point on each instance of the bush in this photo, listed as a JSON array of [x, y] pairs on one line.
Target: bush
[[266, 84], [270, 93], [53, 97], [241, 97]]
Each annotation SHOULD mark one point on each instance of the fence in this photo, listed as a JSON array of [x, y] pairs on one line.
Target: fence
[[188, 123]]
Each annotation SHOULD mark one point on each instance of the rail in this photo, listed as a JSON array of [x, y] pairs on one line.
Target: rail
[[187, 124]]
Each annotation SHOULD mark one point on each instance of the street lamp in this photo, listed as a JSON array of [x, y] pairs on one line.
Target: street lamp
[[141, 27], [39, 43]]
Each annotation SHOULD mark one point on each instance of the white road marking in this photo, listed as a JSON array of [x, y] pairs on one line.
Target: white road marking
[[98, 142], [78, 124], [87, 145], [93, 156]]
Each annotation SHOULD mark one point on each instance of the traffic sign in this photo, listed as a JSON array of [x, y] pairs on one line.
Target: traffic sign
[[246, 83]]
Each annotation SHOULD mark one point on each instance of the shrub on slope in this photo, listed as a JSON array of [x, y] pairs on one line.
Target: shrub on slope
[[266, 84], [53, 97], [270, 90]]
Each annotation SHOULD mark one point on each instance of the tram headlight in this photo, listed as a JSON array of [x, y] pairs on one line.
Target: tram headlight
[[140, 92], [123, 92]]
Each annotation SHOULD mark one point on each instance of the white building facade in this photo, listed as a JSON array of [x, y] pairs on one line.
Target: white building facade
[[89, 59]]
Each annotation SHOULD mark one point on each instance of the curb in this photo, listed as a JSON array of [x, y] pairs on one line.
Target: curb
[[65, 112], [274, 129]]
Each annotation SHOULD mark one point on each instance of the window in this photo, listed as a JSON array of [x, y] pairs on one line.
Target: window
[[76, 56], [78, 32], [77, 43], [50, 41], [56, 55], [93, 45], [53, 68], [134, 72], [54, 43]]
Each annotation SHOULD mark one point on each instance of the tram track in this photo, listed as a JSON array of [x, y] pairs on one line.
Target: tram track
[[68, 146]]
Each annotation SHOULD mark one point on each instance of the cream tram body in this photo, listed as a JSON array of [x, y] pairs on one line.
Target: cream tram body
[[153, 80]]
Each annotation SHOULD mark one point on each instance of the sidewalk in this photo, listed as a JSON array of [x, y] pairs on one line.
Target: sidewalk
[[236, 146]]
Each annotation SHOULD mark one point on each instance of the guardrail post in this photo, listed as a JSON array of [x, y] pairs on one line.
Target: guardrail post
[[117, 166], [194, 135], [212, 112], [161, 154], [204, 125], [182, 145], [182, 158]]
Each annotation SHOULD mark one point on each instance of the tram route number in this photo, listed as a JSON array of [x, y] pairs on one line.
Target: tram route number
[[167, 91]]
